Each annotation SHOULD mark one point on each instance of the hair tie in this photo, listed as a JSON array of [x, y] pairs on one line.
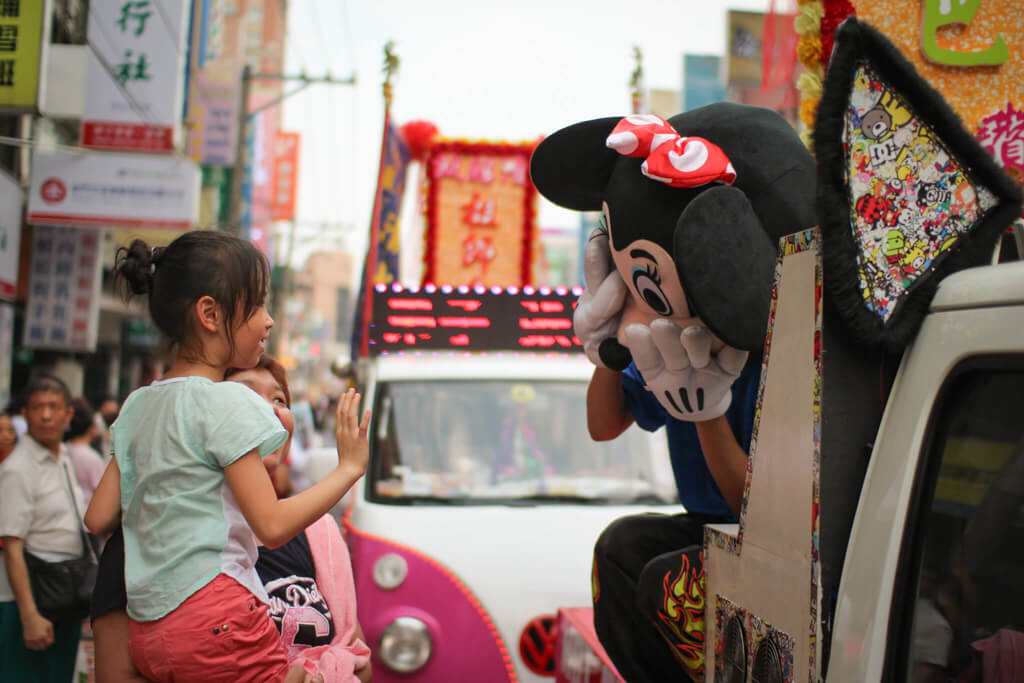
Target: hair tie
[[672, 159], [156, 254]]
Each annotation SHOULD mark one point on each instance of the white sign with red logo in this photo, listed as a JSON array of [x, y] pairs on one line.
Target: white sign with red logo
[[10, 235], [64, 289], [135, 74], [105, 189]]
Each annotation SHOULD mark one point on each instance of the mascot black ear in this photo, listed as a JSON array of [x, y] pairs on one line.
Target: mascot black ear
[[571, 167], [726, 264]]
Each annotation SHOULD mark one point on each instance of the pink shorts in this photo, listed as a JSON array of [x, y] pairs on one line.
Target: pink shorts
[[220, 633]]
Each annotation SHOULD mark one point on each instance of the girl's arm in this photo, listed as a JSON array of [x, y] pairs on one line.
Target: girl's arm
[[275, 521], [105, 507]]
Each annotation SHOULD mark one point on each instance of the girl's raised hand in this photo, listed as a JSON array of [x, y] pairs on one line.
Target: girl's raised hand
[[353, 446]]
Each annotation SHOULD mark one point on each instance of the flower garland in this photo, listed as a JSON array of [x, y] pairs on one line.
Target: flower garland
[[477, 148], [815, 23]]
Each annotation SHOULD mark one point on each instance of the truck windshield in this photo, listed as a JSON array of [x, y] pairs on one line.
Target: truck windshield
[[506, 442]]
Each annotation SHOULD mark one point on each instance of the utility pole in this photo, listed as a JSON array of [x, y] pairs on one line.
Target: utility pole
[[245, 115]]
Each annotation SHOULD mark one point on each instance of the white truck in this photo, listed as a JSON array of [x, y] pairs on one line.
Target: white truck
[[484, 495], [870, 550], [882, 531]]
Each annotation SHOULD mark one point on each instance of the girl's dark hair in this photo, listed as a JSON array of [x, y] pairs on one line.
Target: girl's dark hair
[[276, 371], [198, 263]]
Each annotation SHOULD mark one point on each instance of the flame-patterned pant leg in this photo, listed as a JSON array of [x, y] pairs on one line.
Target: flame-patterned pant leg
[[648, 635]]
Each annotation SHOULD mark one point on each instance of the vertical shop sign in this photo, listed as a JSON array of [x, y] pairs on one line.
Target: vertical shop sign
[[64, 289], [135, 74], [213, 114], [285, 176], [10, 235], [21, 35]]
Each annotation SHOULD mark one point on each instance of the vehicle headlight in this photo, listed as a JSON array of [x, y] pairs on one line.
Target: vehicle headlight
[[389, 571], [405, 645]]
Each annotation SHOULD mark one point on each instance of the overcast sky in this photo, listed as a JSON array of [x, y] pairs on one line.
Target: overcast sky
[[499, 71]]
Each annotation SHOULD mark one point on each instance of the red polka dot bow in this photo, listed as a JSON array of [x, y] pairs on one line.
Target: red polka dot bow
[[671, 158]]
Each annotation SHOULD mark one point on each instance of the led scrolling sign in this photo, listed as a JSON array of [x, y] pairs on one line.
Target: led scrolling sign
[[473, 319]]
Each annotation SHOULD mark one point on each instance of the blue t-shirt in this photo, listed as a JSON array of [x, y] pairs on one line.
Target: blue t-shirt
[[697, 489]]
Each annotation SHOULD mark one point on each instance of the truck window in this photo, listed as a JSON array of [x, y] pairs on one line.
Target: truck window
[[506, 441], [963, 557]]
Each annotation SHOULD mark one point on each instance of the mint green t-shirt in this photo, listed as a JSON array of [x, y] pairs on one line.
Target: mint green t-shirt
[[182, 526]]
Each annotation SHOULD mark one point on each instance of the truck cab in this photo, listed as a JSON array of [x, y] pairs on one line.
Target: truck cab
[[933, 565]]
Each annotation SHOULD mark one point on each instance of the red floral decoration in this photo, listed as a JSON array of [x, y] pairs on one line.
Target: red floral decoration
[[419, 137], [835, 12], [468, 148]]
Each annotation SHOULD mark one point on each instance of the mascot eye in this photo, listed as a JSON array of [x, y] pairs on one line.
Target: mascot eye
[[647, 284]]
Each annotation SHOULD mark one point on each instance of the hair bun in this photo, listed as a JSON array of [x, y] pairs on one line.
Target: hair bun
[[135, 266]]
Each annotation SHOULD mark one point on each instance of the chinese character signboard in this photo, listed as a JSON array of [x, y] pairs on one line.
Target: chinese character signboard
[[10, 235], [973, 54], [480, 214], [21, 33], [64, 289], [135, 74], [107, 189], [212, 115], [285, 176]]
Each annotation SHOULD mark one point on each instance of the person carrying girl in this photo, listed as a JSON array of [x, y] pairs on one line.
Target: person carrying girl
[[187, 477]]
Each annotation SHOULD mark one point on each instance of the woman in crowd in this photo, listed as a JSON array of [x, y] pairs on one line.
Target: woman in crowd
[[309, 579], [8, 436]]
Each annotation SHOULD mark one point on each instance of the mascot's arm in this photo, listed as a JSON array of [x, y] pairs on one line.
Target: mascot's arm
[[726, 460], [607, 416]]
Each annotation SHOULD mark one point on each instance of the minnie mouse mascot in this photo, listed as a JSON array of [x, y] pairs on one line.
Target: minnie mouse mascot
[[674, 315]]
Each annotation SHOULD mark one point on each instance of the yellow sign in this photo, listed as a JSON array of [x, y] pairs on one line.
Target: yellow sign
[[984, 37], [21, 33], [746, 31]]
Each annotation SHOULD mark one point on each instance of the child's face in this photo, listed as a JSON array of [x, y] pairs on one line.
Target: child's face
[[263, 383], [251, 339]]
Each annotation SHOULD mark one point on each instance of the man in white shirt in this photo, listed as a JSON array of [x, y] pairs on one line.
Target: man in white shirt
[[40, 512]]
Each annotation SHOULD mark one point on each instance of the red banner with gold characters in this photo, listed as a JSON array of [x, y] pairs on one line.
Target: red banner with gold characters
[[480, 210]]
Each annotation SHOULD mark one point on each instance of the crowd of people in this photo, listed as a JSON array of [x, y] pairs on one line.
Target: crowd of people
[[199, 528]]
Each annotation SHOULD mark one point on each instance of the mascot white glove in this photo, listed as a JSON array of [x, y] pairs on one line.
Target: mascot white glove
[[689, 382], [599, 308]]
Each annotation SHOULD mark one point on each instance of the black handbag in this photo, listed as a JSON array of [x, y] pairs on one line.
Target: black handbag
[[63, 590]]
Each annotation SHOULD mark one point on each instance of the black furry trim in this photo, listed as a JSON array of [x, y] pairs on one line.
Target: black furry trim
[[859, 44]]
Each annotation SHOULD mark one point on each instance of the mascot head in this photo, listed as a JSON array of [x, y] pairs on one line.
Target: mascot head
[[694, 207]]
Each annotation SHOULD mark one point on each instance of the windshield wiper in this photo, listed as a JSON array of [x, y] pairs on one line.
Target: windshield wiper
[[557, 498], [420, 500]]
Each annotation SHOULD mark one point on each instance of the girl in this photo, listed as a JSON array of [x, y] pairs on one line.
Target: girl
[[314, 563], [187, 472]]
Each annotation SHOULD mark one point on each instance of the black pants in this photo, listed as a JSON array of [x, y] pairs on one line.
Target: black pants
[[635, 560]]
